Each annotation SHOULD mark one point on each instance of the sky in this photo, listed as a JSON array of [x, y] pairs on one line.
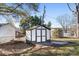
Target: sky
[[53, 10]]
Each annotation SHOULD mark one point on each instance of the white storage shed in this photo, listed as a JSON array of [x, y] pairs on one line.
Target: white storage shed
[[38, 33]]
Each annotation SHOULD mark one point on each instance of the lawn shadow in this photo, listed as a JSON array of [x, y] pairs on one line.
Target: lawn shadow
[[59, 43]]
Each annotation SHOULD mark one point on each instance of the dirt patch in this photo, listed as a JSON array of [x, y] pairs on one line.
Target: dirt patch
[[11, 48]]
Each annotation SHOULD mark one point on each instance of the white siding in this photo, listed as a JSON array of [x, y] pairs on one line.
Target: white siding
[[40, 27], [7, 30], [43, 28], [33, 35], [28, 35], [7, 33], [6, 39], [48, 34]]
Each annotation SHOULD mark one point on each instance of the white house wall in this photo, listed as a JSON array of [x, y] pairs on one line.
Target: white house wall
[[6, 39], [7, 33], [7, 30]]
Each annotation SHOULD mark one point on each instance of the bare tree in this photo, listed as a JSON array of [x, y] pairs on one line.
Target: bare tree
[[18, 10], [76, 12], [65, 21]]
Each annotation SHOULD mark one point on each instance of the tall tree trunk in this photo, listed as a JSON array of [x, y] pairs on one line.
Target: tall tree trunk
[[77, 10]]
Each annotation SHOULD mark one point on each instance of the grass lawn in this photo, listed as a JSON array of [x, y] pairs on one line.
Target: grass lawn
[[58, 51], [66, 39], [72, 50], [61, 51]]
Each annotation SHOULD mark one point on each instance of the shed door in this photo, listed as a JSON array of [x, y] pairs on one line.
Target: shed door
[[43, 36], [38, 36]]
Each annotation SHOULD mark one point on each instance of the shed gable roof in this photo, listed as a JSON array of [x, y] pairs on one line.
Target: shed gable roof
[[34, 27]]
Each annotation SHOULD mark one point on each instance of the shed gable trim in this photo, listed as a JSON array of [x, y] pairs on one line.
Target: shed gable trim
[[34, 27]]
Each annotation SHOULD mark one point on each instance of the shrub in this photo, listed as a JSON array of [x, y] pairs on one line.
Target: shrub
[[57, 33]]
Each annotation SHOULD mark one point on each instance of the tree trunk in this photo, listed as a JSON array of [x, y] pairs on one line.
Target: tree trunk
[[77, 10]]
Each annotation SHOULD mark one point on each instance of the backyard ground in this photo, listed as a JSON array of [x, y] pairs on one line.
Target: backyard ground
[[23, 49], [57, 51], [62, 50]]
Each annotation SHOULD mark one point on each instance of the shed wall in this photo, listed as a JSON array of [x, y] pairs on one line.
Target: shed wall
[[33, 35], [28, 35]]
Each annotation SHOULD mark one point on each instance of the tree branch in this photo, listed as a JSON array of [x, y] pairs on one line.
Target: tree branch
[[69, 7]]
